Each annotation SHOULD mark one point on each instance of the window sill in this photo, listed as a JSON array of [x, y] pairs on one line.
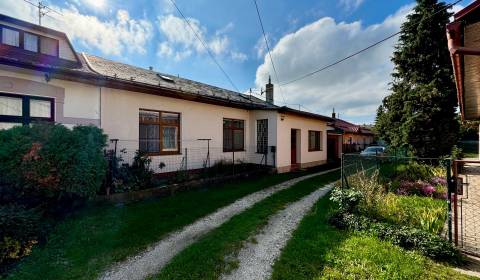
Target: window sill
[[231, 151], [164, 153], [315, 150]]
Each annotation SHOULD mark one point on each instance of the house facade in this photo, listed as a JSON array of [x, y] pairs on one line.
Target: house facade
[[346, 137], [179, 123]]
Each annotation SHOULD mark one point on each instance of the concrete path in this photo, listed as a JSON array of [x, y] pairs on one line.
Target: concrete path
[[158, 255], [256, 259]]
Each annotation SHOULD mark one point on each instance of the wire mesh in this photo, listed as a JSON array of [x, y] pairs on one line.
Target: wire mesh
[[193, 155]]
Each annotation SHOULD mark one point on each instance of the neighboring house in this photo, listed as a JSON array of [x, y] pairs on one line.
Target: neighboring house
[[43, 78], [464, 44], [353, 138]]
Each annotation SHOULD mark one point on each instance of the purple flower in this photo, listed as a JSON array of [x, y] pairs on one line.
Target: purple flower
[[428, 189], [438, 181]]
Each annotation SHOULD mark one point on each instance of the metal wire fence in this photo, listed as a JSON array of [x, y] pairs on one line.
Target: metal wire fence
[[192, 156]]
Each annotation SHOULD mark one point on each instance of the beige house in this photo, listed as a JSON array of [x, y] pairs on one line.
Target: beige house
[[43, 78]]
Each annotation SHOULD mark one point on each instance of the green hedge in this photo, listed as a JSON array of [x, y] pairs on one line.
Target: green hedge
[[53, 160], [45, 170]]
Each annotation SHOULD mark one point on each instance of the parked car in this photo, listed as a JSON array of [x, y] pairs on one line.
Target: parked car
[[373, 151]]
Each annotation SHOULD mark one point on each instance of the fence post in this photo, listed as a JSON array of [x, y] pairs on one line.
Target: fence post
[[233, 162], [449, 196], [186, 160], [341, 168]]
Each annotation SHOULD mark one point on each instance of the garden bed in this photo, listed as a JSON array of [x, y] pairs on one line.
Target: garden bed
[[171, 189]]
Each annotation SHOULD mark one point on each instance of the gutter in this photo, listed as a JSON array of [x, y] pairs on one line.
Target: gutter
[[457, 51]]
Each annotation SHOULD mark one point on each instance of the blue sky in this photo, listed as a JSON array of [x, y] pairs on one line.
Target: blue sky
[[303, 35]]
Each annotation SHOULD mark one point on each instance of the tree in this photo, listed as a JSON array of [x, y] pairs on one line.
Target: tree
[[420, 113]]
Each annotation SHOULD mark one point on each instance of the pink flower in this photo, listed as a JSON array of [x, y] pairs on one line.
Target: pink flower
[[428, 189]]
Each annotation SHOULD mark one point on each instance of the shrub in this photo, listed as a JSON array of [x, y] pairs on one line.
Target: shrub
[[46, 169], [52, 160], [135, 176], [346, 199], [20, 229], [428, 244]]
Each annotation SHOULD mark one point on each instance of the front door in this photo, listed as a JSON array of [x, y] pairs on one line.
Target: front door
[[293, 146]]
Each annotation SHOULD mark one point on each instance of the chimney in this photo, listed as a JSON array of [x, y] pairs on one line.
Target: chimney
[[269, 91], [333, 114]]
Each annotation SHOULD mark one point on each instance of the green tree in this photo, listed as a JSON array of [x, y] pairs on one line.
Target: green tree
[[420, 112]]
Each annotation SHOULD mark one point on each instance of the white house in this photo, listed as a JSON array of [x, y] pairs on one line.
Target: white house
[[43, 78]]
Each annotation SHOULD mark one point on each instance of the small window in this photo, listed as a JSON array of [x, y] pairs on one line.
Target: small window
[[24, 109], [233, 135], [262, 136], [30, 42], [49, 46], [159, 132], [10, 106], [10, 37], [314, 141]]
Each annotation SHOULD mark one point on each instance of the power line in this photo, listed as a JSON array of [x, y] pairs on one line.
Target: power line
[[205, 46], [43, 10], [268, 48], [360, 51]]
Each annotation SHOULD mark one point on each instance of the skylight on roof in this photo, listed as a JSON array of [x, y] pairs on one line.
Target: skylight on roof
[[165, 78]]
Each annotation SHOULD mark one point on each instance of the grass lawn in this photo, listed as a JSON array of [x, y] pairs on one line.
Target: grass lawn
[[214, 253], [469, 149], [319, 251], [83, 246]]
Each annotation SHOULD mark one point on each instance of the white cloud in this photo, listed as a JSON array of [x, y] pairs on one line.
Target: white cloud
[[181, 41], [350, 5], [239, 56], [355, 87], [260, 47], [111, 37]]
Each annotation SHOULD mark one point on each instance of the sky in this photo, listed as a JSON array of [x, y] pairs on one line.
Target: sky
[[303, 35]]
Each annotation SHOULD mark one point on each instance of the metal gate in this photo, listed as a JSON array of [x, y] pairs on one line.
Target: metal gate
[[466, 206]]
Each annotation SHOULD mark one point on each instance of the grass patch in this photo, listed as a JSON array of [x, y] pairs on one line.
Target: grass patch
[[83, 246], [215, 252], [420, 212], [319, 251]]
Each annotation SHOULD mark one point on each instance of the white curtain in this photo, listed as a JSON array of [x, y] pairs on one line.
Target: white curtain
[[10, 106], [30, 42], [10, 37]]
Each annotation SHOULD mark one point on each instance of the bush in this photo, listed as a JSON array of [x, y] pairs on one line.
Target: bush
[[426, 243], [20, 229], [53, 161], [135, 176], [46, 170]]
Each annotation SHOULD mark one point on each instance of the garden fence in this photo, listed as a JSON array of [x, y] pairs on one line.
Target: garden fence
[[192, 156]]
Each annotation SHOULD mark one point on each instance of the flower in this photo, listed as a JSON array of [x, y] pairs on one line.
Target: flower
[[438, 181], [428, 189]]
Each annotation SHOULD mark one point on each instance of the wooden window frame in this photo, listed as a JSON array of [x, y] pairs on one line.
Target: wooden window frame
[[160, 132], [25, 118], [232, 129], [318, 135], [21, 41]]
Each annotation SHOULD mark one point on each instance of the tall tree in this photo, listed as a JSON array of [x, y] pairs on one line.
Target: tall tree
[[420, 112]]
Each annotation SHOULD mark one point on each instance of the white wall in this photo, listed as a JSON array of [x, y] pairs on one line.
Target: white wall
[[304, 157], [80, 103], [120, 120]]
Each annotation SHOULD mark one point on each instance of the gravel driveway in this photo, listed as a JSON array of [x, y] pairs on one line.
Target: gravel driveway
[[256, 259], [159, 254]]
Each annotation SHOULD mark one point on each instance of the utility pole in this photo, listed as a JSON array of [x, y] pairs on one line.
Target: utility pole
[[43, 10]]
